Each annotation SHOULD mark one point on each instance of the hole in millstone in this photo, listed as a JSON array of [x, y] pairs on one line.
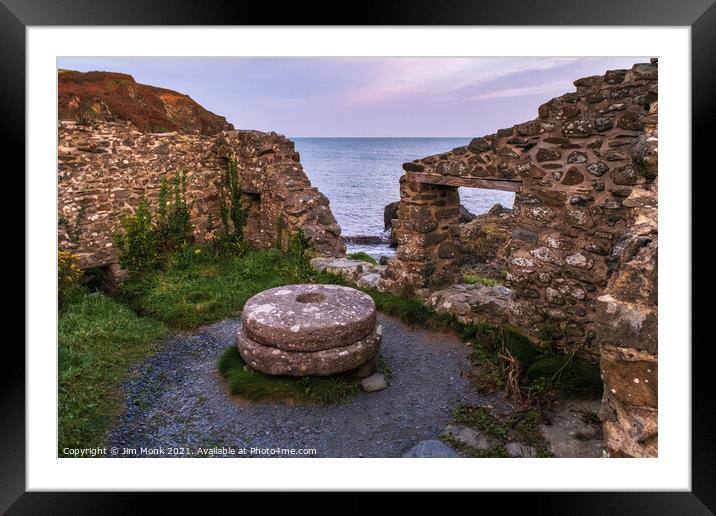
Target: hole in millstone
[[310, 297]]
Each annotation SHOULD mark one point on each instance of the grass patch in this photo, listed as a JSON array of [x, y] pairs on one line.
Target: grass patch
[[199, 288], [99, 339], [255, 386], [473, 279], [362, 256], [413, 312]]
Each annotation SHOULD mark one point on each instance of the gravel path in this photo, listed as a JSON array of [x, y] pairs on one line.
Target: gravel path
[[178, 399]]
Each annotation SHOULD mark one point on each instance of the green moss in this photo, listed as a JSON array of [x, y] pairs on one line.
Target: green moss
[[472, 279], [255, 386], [364, 257]]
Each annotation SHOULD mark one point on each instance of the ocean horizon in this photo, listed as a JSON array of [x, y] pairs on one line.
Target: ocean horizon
[[359, 175]]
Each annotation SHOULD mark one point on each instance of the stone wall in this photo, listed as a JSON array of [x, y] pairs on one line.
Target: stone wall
[[571, 168], [626, 323], [105, 168], [581, 261]]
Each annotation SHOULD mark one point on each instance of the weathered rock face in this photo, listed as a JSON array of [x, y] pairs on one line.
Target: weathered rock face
[[112, 97], [469, 303], [301, 330], [105, 167], [627, 320], [573, 170]]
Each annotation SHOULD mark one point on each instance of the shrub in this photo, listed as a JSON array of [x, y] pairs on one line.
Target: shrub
[[136, 242], [73, 229], [140, 242], [280, 227], [231, 209], [69, 276], [173, 226]]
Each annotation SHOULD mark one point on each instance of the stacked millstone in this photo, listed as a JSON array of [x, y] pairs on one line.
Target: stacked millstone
[[309, 330]]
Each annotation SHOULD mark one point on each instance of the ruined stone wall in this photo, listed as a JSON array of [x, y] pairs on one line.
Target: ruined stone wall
[[105, 168], [626, 323], [572, 169]]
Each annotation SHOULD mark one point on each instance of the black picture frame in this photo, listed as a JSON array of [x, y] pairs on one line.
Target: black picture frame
[[700, 15]]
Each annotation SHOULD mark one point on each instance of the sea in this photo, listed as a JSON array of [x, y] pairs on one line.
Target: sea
[[360, 177]]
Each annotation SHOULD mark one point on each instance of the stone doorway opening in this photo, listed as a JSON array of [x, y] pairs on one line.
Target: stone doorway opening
[[484, 233], [428, 230]]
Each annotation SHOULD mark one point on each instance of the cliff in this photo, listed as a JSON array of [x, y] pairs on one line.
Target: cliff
[[112, 97]]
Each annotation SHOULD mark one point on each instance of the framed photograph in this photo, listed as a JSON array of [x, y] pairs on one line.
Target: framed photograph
[[430, 233]]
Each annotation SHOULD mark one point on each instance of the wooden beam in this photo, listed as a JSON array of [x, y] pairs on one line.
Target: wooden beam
[[508, 185]]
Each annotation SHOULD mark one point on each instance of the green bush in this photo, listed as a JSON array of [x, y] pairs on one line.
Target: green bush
[[69, 276], [136, 242], [141, 242], [231, 208], [173, 227]]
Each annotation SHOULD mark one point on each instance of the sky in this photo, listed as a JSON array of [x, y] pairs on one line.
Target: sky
[[366, 97]]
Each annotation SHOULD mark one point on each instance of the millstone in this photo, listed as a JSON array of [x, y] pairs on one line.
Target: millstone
[[309, 317], [302, 330], [277, 361]]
